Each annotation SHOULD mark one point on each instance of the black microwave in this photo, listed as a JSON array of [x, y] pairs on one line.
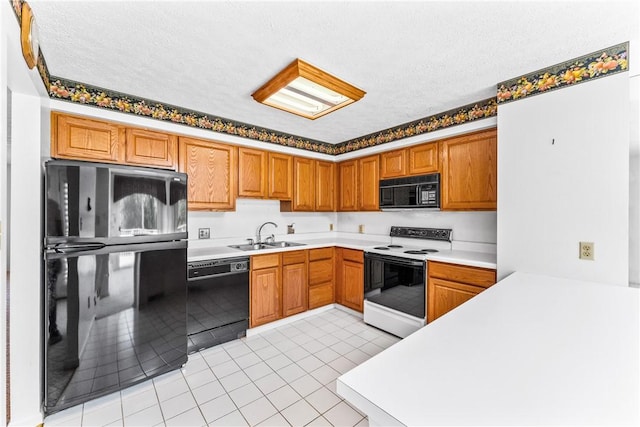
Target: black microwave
[[412, 192]]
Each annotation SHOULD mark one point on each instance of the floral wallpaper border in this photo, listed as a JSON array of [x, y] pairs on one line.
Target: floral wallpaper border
[[457, 116], [104, 98], [602, 63]]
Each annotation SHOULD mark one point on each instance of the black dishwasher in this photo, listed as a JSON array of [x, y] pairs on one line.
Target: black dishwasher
[[217, 301]]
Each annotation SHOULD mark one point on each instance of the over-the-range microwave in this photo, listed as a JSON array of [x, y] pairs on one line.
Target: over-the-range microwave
[[410, 193]]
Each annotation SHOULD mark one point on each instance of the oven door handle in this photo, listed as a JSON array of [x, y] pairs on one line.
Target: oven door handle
[[393, 259]]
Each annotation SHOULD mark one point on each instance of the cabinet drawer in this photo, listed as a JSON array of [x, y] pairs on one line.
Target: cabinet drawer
[[295, 257], [265, 261], [320, 295], [320, 271], [321, 253], [353, 255], [463, 274]]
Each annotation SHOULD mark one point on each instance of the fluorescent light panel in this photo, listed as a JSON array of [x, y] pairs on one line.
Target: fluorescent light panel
[[302, 89]]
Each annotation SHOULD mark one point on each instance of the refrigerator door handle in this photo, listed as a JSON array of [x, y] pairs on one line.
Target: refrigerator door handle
[[62, 248], [72, 250]]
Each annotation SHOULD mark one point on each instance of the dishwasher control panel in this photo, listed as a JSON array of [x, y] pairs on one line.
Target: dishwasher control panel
[[216, 267]]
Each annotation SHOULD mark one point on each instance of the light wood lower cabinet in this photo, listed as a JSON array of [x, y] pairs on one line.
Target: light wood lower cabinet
[[350, 278], [450, 285], [321, 277], [294, 283], [265, 289]]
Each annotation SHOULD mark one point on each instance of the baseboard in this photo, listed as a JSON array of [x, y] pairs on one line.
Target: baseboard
[[276, 324]]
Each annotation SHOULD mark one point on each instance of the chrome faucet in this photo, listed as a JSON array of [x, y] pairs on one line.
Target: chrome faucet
[[258, 237]]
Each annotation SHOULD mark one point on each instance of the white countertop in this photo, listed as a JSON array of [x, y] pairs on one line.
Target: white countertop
[[201, 251], [530, 350], [212, 252], [470, 258]]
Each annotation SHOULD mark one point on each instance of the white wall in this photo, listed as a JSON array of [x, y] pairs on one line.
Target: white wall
[[29, 104], [478, 227], [634, 182], [250, 214], [551, 196]]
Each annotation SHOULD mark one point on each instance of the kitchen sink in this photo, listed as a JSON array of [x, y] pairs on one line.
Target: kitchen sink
[[258, 246]]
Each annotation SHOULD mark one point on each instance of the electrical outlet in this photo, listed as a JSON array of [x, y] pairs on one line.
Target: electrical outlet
[[204, 233], [587, 250], [330, 227], [361, 228]]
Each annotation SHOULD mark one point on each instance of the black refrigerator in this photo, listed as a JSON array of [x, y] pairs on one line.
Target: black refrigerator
[[114, 288]]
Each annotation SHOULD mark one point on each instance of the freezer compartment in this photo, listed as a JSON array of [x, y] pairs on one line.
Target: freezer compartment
[[114, 204], [114, 316]]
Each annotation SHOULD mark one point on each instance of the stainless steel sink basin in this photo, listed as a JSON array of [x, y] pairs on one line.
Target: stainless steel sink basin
[[258, 246], [284, 244]]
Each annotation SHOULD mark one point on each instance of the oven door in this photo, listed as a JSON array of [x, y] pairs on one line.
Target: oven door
[[395, 282]]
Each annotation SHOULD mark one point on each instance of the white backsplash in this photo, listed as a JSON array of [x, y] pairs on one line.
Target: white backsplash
[[250, 213], [477, 227]]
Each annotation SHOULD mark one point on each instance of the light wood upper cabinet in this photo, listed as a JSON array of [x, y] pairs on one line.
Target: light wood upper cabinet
[[280, 176], [211, 168], [295, 292], [86, 139], [469, 171], [303, 184], [348, 182], [148, 148], [252, 172], [423, 159], [325, 186], [368, 183], [393, 164], [450, 285]]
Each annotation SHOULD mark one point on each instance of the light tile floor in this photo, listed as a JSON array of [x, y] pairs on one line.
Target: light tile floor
[[284, 376]]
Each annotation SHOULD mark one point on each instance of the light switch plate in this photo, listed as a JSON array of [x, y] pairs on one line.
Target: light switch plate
[[204, 233], [361, 228]]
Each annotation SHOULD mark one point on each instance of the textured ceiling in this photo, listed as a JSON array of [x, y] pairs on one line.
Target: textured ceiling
[[413, 59]]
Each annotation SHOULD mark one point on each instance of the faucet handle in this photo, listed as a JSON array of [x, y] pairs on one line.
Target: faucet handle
[[272, 238], [250, 240]]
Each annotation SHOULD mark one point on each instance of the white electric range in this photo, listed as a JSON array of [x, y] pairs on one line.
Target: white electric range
[[395, 278]]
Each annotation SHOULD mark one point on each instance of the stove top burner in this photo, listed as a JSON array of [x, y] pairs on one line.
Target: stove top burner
[[394, 246], [420, 251], [382, 248]]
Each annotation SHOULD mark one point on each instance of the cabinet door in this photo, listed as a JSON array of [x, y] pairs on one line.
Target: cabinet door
[[348, 181], [393, 164], [294, 289], [280, 176], [325, 186], [445, 295], [369, 183], [469, 172], [212, 178], [84, 139], [352, 285], [321, 295], [423, 159], [252, 172], [303, 184], [149, 148], [265, 296]]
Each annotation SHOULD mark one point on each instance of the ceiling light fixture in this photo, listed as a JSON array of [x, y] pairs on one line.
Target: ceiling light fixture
[[302, 89]]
